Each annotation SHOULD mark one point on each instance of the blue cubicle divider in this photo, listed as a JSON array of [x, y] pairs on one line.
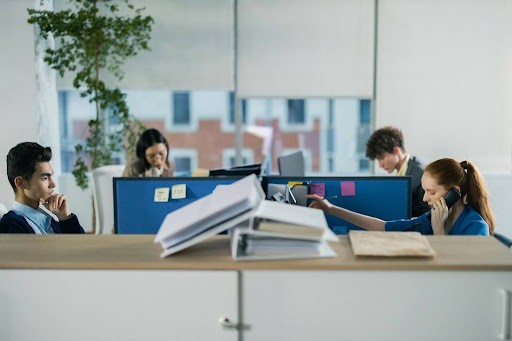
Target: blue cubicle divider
[[387, 198], [135, 209]]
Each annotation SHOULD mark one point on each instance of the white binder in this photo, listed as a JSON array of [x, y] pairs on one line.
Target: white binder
[[227, 206], [248, 242]]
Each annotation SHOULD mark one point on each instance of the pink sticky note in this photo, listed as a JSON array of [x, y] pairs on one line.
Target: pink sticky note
[[318, 189], [348, 188]]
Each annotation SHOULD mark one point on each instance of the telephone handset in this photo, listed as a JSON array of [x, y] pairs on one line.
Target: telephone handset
[[451, 198]]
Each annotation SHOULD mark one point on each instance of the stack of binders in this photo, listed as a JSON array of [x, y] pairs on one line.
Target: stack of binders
[[281, 231], [260, 229]]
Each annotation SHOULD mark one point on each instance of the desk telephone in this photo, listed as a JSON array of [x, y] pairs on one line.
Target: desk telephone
[[451, 198]]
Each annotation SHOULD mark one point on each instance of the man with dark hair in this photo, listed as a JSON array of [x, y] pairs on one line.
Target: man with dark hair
[[30, 174], [387, 146]]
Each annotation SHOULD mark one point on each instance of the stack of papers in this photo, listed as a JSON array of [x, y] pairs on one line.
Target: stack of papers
[[390, 244]]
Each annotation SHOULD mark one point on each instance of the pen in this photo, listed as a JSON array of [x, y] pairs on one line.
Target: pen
[[292, 196], [330, 197]]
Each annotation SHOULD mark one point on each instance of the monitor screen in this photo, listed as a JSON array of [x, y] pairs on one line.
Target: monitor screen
[[291, 164], [237, 171]]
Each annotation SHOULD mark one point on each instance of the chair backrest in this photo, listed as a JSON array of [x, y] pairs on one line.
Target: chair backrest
[[103, 195], [3, 210], [291, 164]]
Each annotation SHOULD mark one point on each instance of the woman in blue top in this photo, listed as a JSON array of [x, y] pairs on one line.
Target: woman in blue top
[[470, 215]]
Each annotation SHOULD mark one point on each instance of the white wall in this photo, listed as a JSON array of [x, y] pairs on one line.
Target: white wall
[[500, 188], [17, 84], [445, 77]]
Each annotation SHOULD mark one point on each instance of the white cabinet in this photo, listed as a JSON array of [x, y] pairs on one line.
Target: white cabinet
[[123, 305], [374, 305]]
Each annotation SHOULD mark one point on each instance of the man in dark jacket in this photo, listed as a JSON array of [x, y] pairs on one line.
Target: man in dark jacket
[[386, 145], [30, 174]]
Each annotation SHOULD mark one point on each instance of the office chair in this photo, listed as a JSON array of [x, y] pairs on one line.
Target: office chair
[[291, 164], [504, 239], [103, 197]]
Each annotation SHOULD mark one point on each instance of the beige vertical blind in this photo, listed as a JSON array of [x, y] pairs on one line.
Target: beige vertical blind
[[191, 47]]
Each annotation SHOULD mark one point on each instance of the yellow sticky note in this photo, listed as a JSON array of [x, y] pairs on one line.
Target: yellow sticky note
[[179, 191], [293, 183], [162, 194]]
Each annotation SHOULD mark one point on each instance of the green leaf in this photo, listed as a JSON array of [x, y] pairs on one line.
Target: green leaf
[[94, 40]]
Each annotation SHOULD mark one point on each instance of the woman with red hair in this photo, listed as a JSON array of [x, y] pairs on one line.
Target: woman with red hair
[[469, 215]]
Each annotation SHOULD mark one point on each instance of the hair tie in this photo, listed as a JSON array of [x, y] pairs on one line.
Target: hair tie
[[464, 165]]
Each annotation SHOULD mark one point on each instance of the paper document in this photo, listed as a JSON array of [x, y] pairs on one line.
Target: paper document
[[390, 244]]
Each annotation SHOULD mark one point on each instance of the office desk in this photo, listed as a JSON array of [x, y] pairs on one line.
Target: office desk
[[108, 287]]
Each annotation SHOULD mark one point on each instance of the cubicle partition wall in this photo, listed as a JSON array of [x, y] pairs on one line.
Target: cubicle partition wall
[[141, 204], [386, 198]]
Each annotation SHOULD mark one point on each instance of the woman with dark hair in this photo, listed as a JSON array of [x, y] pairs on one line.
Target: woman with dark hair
[[152, 153], [470, 215]]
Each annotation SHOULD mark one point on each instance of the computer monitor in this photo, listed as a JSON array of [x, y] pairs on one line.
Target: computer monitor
[[237, 171], [291, 164]]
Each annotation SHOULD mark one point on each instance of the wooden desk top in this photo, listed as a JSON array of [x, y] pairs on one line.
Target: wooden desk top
[[459, 253]]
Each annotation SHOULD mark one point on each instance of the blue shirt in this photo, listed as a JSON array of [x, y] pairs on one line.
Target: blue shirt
[[37, 219], [469, 222]]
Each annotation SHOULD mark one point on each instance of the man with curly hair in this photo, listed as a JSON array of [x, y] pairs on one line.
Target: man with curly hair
[[386, 145]]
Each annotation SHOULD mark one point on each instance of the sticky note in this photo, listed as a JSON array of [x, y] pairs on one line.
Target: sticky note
[[162, 194], [293, 183], [179, 191], [318, 188], [348, 188]]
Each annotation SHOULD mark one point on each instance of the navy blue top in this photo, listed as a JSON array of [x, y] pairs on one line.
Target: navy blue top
[[12, 222], [470, 222]]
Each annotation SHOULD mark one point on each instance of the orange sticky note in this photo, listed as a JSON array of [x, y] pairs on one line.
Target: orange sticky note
[[348, 188]]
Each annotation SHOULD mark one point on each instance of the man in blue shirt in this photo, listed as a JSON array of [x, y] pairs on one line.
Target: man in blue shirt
[[30, 174]]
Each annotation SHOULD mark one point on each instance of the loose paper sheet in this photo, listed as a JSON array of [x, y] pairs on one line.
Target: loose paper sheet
[[390, 244]]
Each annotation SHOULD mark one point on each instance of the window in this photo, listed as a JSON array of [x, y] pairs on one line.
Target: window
[[364, 134], [232, 109], [334, 135], [232, 161], [182, 164], [296, 113], [181, 108]]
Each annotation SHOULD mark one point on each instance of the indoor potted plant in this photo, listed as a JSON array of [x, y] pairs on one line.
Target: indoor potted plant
[[93, 39]]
